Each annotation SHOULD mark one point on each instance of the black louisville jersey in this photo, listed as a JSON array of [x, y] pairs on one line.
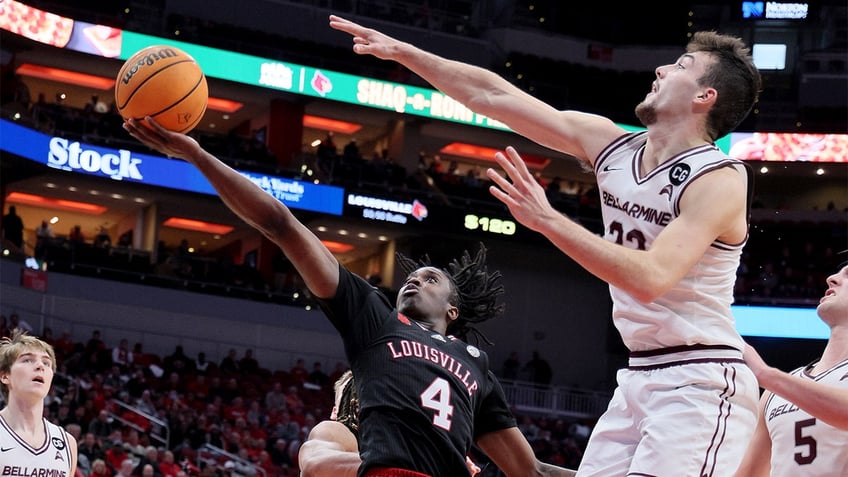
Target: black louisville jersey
[[423, 396]]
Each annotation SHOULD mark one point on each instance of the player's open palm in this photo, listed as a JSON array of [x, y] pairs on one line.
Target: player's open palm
[[366, 41], [524, 196], [169, 143]]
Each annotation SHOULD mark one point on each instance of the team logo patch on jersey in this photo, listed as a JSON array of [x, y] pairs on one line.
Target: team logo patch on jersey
[[473, 351], [679, 173], [58, 443]]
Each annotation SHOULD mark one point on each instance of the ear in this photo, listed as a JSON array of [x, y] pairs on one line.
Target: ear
[[707, 97], [453, 313]]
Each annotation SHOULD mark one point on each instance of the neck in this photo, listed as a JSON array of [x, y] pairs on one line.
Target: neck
[[669, 140], [431, 326], [836, 349], [23, 417]]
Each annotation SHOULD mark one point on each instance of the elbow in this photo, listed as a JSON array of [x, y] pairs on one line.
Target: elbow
[[647, 291], [306, 458]]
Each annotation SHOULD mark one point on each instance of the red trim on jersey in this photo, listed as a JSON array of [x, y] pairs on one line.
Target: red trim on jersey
[[392, 472]]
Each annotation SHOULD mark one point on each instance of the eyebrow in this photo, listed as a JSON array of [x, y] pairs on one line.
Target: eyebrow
[[34, 355]]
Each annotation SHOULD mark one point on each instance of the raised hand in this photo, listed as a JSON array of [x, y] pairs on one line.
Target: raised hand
[[366, 41], [169, 143], [524, 196]]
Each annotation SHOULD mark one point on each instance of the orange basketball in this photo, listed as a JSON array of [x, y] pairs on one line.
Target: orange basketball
[[165, 83]]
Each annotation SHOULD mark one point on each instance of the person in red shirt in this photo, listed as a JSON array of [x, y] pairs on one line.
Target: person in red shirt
[[115, 455], [299, 373], [168, 466]]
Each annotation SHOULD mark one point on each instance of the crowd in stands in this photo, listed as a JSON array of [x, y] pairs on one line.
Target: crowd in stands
[[186, 416], [779, 264]]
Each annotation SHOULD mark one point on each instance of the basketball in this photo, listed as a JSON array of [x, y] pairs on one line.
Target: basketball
[[165, 83]]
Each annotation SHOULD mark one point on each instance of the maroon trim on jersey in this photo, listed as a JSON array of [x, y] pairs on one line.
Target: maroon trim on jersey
[[34, 450], [682, 362], [665, 166], [623, 139], [724, 409], [392, 472], [677, 349], [707, 169]]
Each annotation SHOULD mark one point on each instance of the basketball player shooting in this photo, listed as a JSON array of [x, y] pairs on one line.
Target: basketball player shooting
[[425, 395]]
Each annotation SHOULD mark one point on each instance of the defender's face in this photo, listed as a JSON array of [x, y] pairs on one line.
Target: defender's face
[[675, 87], [30, 375], [833, 306], [425, 295]]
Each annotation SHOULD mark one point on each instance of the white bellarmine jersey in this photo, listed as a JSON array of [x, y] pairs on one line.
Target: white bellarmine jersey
[[50, 459], [636, 208], [802, 445]]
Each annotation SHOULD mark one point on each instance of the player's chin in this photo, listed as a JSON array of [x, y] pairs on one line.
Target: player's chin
[[408, 305]]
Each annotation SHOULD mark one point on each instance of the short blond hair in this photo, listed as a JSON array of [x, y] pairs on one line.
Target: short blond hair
[[12, 347]]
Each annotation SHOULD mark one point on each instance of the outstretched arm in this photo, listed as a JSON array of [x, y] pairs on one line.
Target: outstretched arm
[[510, 451], [271, 217], [824, 402], [579, 134], [645, 274]]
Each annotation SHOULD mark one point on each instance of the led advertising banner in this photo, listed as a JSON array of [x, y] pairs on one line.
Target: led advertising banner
[[779, 322], [309, 81], [770, 146], [124, 165]]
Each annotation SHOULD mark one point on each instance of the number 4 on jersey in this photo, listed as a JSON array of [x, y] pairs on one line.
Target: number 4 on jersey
[[437, 397]]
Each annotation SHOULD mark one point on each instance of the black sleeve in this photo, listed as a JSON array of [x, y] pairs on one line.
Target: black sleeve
[[494, 413], [357, 310]]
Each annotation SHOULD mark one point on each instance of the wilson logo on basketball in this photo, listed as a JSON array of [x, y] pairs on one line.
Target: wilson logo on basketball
[[148, 60], [165, 83]]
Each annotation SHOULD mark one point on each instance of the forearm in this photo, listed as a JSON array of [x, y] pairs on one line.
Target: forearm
[[253, 205], [628, 269], [273, 219], [474, 87], [824, 402]]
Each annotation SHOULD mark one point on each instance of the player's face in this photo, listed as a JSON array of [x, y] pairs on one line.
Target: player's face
[[31, 374], [833, 306], [425, 295], [674, 89]]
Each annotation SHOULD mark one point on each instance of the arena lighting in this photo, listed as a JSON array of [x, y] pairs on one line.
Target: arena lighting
[[337, 247], [488, 154], [65, 76], [223, 105], [327, 124], [197, 225], [50, 203], [102, 83]]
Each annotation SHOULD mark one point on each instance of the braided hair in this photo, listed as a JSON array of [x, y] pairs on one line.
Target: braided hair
[[347, 402], [474, 291]]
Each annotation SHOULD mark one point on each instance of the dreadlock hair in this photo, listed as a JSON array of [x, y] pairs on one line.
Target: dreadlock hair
[[474, 291], [347, 406]]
